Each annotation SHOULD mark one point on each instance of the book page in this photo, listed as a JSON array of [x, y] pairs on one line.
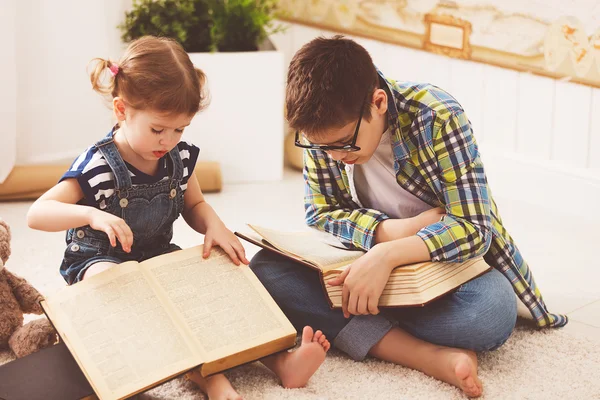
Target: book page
[[224, 306], [119, 332], [309, 246]]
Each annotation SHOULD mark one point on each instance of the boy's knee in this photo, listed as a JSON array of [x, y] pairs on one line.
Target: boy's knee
[[261, 263], [275, 272], [266, 263], [498, 317], [490, 313]]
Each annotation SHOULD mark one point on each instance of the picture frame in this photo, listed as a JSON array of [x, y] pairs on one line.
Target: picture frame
[[447, 35]]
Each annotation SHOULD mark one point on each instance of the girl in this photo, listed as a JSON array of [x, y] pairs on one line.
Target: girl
[[119, 199]]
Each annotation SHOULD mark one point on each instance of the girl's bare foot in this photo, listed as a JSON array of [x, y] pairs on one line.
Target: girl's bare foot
[[458, 368], [295, 368], [216, 387]]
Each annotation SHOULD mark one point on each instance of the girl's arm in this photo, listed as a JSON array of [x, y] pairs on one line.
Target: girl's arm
[[203, 219], [56, 210], [197, 212]]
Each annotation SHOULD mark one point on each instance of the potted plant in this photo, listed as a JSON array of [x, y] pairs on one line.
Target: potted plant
[[243, 126]]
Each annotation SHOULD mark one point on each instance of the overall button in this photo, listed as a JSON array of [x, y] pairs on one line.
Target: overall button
[[173, 193], [123, 202], [80, 234], [75, 247]]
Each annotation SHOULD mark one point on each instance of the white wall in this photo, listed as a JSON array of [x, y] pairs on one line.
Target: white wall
[[59, 114], [51, 114], [8, 87], [537, 135], [243, 127]]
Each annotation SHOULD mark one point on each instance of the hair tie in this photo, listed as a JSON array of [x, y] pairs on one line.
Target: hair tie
[[114, 69]]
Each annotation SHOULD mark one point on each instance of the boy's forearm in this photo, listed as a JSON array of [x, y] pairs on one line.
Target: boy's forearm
[[55, 216], [201, 217], [408, 250], [394, 229]]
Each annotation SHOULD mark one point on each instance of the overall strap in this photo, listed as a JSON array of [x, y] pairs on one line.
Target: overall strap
[[177, 174], [110, 152]]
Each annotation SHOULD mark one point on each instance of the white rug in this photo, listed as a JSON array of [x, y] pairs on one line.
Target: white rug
[[531, 365]]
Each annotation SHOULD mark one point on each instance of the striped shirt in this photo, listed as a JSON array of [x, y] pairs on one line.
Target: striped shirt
[[437, 160], [97, 181]]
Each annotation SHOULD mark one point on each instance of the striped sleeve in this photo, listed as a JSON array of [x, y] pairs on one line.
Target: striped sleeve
[[94, 176], [189, 156]]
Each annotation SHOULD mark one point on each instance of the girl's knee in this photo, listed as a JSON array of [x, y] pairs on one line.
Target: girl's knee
[[96, 268]]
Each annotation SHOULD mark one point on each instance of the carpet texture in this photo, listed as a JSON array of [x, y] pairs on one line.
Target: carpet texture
[[531, 365]]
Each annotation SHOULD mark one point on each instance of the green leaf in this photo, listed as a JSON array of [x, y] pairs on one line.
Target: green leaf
[[204, 25]]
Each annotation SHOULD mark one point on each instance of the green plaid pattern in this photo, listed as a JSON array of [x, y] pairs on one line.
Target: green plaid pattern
[[437, 160]]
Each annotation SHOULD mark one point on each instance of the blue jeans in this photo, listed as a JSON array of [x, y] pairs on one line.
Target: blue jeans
[[480, 315]]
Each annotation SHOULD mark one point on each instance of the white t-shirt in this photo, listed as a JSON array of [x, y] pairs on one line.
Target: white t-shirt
[[374, 185]]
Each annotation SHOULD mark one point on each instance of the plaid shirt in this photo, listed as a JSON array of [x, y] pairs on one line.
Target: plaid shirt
[[437, 160]]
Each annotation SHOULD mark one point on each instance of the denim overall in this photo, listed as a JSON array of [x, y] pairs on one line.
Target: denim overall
[[148, 209]]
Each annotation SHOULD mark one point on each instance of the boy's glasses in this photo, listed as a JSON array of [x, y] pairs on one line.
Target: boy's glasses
[[350, 147]]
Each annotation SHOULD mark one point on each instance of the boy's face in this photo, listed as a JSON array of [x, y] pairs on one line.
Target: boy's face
[[152, 134], [369, 133]]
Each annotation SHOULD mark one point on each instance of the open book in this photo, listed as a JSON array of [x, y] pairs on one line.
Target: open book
[[137, 325], [409, 285]]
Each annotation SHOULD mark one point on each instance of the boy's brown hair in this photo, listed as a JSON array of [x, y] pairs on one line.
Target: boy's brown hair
[[329, 80], [154, 73]]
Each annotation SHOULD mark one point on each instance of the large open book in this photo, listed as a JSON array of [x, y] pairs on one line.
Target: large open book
[[137, 325], [409, 285]]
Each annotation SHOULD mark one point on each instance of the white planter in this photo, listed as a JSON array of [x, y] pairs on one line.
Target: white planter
[[243, 126]]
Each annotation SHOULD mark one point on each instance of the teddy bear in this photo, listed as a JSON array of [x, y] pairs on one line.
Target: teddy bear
[[18, 297]]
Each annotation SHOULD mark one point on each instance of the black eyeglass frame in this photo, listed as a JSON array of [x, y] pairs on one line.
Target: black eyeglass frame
[[326, 147]]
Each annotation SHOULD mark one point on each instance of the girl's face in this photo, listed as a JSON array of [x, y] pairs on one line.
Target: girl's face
[[151, 134]]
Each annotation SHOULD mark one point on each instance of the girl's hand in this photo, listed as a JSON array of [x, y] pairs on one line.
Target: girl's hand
[[113, 226], [224, 238]]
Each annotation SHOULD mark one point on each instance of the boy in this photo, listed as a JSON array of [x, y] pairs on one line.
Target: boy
[[393, 168]]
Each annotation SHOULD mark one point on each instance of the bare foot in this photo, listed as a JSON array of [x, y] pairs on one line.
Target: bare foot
[[216, 387], [295, 368], [458, 368]]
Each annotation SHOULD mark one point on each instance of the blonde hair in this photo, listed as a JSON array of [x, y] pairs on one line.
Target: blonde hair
[[154, 73]]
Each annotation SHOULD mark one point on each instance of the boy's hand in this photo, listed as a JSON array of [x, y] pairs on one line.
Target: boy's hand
[[113, 226], [224, 238], [429, 217], [363, 282]]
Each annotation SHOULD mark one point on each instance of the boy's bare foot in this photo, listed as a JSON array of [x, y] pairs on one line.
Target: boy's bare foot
[[216, 387], [295, 368], [458, 368]]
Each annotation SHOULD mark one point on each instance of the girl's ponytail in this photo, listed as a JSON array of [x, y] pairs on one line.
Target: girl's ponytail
[[97, 76]]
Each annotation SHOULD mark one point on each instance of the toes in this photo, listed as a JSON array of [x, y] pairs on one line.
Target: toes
[[327, 345], [307, 334], [322, 339], [318, 335]]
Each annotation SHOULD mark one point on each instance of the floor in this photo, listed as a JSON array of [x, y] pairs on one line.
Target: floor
[[560, 249]]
